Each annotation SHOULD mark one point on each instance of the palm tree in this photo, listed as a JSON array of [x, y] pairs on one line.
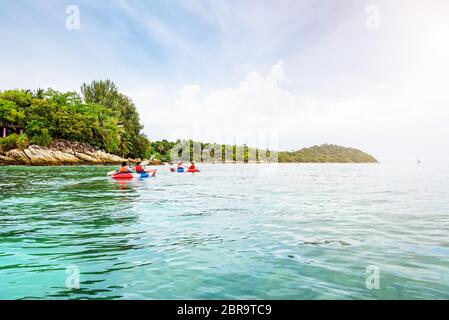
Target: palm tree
[[103, 92], [39, 93]]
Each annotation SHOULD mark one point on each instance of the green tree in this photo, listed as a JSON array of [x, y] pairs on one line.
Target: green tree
[[22, 98], [9, 112], [132, 142]]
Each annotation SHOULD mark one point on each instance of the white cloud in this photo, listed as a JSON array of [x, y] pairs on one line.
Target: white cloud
[[277, 71], [188, 98], [262, 104]]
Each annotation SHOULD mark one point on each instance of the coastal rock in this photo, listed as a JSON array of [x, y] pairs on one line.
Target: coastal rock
[[87, 158], [40, 156], [103, 157], [156, 162], [16, 157], [65, 158], [60, 152]]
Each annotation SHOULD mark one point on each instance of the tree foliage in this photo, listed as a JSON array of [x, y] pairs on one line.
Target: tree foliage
[[106, 93], [200, 151], [101, 116], [9, 112]]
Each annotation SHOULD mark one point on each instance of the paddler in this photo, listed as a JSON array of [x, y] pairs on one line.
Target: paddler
[[192, 166], [124, 168], [139, 168]]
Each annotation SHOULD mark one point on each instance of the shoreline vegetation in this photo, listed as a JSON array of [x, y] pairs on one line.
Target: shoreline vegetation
[[102, 126]]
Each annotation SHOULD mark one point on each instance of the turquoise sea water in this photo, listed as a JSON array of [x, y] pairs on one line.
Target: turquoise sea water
[[293, 231]]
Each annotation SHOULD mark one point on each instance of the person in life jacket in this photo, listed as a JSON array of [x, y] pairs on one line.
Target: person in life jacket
[[139, 168], [180, 164], [124, 168], [192, 166]]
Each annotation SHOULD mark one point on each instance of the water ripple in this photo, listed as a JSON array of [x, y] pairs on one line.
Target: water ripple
[[231, 232]]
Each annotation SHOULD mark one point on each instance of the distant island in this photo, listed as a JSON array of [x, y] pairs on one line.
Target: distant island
[[327, 153], [102, 126]]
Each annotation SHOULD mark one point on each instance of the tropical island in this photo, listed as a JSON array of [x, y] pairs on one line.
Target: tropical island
[[100, 125], [327, 153]]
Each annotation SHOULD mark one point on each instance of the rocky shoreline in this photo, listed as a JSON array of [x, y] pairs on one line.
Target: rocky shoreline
[[61, 152]]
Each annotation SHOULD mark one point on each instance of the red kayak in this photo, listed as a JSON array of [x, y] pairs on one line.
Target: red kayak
[[123, 176], [193, 170]]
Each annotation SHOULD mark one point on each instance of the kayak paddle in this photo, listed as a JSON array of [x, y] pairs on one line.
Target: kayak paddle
[[144, 163]]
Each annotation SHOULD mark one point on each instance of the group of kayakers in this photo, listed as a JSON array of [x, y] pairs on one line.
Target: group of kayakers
[[180, 166], [140, 168]]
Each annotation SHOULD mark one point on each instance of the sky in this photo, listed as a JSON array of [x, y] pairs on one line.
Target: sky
[[283, 74]]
